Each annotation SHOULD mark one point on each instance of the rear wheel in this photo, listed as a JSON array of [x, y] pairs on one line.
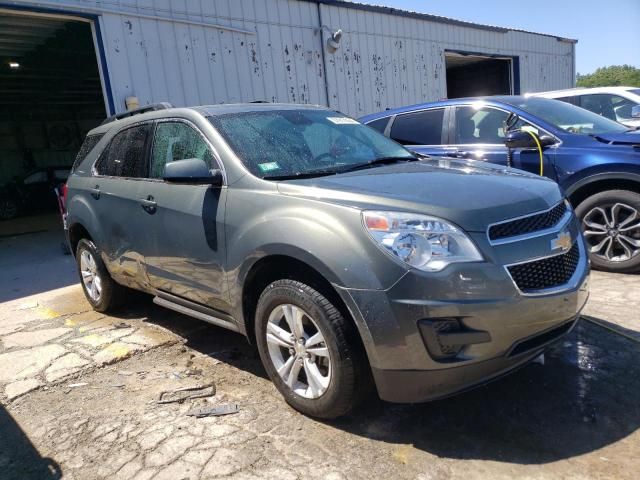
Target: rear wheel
[[102, 292], [611, 225], [310, 351]]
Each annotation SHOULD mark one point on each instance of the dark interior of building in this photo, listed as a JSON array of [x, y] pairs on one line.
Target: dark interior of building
[[50, 96], [471, 76]]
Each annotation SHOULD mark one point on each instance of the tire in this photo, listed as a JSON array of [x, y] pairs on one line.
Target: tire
[[345, 377], [610, 221], [8, 209], [95, 278]]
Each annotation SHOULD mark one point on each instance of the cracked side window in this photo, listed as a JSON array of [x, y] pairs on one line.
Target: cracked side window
[[177, 141]]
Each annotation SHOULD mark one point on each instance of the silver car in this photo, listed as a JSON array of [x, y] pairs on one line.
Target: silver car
[[349, 261]]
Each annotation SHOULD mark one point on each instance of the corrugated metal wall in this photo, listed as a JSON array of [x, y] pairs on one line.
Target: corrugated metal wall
[[212, 51], [387, 60]]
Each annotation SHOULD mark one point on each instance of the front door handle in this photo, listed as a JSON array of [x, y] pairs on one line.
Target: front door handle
[[149, 205], [95, 192]]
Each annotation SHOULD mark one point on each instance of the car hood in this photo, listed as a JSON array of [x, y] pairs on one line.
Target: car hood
[[624, 138], [468, 193]]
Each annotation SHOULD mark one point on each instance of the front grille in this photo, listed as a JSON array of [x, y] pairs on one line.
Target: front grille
[[533, 223], [546, 273]]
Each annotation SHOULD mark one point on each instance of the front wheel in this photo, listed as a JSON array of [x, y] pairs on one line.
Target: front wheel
[[611, 226], [310, 351]]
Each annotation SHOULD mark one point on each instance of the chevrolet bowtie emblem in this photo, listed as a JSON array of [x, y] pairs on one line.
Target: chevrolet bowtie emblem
[[562, 242]]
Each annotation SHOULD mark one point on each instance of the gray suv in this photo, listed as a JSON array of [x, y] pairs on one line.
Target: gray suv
[[350, 262]]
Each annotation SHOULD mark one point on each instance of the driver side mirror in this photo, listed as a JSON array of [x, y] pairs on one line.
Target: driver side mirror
[[635, 111], [192, 171], [522, 139]]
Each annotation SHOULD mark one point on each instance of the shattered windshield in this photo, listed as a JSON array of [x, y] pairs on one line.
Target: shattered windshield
[[289, 143]]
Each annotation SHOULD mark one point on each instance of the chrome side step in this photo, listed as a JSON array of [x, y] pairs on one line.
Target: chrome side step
[[195, 314]]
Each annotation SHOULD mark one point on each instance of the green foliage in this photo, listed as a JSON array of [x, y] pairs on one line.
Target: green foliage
[[623, 75]]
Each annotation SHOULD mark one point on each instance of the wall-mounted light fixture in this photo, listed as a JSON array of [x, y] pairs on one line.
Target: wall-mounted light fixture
[[132, 103], [333, 42], [14, 65]]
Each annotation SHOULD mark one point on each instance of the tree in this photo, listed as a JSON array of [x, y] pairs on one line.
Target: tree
[[624, 75]]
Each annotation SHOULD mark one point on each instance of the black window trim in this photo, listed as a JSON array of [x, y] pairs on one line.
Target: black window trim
[[443, 131], [105, 151], [214, 152]]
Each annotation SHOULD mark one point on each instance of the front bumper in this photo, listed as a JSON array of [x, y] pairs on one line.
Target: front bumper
[[482, 298]]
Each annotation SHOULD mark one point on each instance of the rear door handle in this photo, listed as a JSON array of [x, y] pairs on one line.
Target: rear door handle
[[95, 192], [149, 204]]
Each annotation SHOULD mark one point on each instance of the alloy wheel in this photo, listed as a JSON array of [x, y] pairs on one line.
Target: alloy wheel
[[298, 351], [612, 232], [90, 275]]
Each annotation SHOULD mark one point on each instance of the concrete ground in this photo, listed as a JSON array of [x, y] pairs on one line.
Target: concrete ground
[[79, 391]]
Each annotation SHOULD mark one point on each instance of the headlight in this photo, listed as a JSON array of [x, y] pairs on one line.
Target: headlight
[[423, 242]]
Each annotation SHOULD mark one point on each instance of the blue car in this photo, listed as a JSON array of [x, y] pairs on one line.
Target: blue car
[[595, 160]]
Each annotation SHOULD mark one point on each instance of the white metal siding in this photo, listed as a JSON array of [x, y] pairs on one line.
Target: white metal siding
[[215, 51], [389, 61]]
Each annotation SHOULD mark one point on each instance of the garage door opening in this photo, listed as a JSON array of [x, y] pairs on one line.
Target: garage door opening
[[50, 96], [476, 75]]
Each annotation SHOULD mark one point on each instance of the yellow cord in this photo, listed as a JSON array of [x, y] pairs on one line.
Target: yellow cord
[[535, 138]]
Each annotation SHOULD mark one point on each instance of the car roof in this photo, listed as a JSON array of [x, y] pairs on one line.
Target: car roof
[[224, 109], [569, 92], [205, 110], [495, 100]]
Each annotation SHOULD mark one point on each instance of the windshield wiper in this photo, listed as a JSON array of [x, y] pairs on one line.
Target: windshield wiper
[[378, 161], [300, 175], [350, 168]]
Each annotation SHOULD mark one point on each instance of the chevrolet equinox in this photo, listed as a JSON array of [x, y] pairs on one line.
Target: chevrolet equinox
[[348, 260]]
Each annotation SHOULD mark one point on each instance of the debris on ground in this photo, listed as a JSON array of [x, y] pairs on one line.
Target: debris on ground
[[121, 325], [217, 411], [187, 393], [76, 385]]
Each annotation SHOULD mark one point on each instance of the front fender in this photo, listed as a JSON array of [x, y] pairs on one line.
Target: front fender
[[583, 178], [328, 238]]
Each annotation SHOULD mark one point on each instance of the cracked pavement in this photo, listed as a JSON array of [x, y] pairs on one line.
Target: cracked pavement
[[79, 391]]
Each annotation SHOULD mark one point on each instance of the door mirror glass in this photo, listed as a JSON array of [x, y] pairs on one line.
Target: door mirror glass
[[192, 171]]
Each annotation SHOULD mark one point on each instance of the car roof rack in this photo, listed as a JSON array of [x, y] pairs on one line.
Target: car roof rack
[[130, 113]]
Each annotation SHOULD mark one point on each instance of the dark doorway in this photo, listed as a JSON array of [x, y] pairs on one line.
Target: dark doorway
[[50, 96], [474, 75]]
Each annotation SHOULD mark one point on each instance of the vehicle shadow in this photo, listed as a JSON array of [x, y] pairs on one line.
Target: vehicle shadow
[[215, 342], [629, 332], [583, 399], [19, 459]]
